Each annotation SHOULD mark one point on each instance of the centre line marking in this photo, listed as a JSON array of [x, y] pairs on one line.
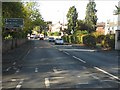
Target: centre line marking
[[107, 73], [79, 59], [47, 83]]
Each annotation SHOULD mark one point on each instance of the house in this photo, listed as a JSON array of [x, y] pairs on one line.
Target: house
[[57, 27], [101, 27], [110, 27]]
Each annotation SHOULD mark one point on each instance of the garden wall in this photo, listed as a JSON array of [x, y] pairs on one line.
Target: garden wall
[[11, 44]]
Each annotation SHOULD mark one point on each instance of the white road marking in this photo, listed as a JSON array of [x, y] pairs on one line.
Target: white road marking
[[19, 84], [8, 69], [13, 80], [95, 77], [47, 83], [57, 77], [14, 63], [55, 70], [36, 69], [107, 73], [66, 53], [79, 59], [88, 50], [26, 54], [17, 71], [78, 76]]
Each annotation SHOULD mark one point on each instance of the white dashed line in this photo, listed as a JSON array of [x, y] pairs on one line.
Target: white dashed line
[[47, 83], [95, 77], [107, 73], [17, 71], [28, 52], [13, 80], [19, 84], [8, 69], [79, 59], [26, 55], [36, 69], [14, 63], [66, 53]]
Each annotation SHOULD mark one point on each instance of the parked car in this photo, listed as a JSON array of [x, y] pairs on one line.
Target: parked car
[[59, 41], [41, 37], [51, 39], [32, 36]]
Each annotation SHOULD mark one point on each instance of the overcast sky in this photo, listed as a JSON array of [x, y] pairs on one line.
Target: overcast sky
[[56, 10]]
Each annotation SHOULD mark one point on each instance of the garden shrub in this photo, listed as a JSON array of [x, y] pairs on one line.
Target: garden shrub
[[89, 40], [100, 38], [108, 41]]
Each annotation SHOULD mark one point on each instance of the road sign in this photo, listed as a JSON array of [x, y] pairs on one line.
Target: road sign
[[14, 22]]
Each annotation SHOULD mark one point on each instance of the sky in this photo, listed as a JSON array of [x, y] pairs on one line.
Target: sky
[[56, 11]]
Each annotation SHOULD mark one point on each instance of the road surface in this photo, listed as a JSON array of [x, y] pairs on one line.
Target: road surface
[[41, 64]]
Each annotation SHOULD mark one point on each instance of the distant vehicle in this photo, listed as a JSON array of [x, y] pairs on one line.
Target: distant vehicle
[[41, 37], [51, 39], [36, 36], [59, 41]]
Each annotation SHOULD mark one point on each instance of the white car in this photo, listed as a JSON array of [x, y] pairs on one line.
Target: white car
[[59, 41]]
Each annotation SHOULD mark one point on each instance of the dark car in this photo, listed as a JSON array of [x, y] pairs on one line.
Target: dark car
[[51, 39]]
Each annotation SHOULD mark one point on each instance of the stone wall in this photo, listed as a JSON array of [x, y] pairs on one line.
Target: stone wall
[[11, 44]]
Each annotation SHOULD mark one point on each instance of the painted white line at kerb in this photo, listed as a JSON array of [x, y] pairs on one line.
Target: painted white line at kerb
[[19, 84], [107, 73], [79, 59], [47, 83], [66, 53]]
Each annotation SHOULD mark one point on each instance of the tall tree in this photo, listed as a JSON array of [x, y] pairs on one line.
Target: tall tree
[[117, 11], [91, 17], [72, 16], [28, 11]]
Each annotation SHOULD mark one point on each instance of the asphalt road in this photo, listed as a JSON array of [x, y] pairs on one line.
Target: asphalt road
[[45, 65]]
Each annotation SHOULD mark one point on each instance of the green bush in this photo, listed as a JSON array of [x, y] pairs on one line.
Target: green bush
[[65, 38], [89, 40], [108, 41], [100, 38]]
